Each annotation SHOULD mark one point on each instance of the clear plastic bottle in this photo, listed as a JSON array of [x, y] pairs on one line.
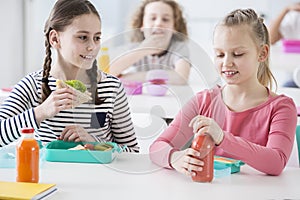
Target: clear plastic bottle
[[205, 145], [27, 157], [104, 59]]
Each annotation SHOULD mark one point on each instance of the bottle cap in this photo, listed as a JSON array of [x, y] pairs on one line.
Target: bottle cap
[[27, 130]]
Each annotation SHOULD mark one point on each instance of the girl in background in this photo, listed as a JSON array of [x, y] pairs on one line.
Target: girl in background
[[159, 42], [287, 24], [73, 29], [246, 120]]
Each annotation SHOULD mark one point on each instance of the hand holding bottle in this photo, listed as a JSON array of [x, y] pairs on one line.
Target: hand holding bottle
[[187, 161], [202, 124]]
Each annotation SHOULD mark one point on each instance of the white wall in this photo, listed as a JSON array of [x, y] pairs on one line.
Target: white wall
[[11, 40], [22, 50], [202, 15], [114, 14]]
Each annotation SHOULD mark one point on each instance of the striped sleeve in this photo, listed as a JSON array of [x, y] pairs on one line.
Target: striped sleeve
[[122, 127], [17, 112]]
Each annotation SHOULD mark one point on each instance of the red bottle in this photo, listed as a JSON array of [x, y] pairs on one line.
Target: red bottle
[[205, 145], [27, 157]]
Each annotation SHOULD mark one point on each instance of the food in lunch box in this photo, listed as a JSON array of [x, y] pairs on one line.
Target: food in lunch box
[[96, 147], [99, 147], [78, 147], [81, 91]]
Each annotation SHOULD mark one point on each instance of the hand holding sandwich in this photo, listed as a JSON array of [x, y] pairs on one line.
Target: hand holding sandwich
[[68, 94], [58, 100]]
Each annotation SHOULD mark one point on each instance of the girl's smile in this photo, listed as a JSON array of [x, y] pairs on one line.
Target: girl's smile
[[229, 74]]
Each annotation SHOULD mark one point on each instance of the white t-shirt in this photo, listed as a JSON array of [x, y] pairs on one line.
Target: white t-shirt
[[290, 25]]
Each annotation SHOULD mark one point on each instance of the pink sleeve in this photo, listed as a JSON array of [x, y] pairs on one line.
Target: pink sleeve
[[176, 135], [272, 158]]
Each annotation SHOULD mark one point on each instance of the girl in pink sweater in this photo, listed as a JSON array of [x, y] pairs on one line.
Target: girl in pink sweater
[[244, 117]]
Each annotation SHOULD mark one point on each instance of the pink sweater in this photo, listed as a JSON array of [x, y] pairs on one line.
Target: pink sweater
[[262, 136]]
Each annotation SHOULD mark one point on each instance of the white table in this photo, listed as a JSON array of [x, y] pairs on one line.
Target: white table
[[134, 176], [147, 128], [168, 106], [164, 106]]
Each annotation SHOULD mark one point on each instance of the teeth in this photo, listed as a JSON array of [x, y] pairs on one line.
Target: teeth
[[230, 73], [87, 57]]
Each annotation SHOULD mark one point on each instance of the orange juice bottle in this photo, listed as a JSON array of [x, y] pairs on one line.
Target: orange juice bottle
[[27, 157], [103, 61], [205, 145]]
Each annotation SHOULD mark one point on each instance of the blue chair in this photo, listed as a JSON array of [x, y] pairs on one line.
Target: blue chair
[[298, 140], [294, 160]]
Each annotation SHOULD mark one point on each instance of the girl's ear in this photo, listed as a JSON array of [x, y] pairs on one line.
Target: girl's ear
[[264, 53], [54, 39]]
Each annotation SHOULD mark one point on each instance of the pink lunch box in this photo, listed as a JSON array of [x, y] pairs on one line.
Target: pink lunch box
[[291, 46]]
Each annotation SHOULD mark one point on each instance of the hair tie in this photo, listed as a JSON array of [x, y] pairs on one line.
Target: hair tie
[[45, 80], [261, 20]]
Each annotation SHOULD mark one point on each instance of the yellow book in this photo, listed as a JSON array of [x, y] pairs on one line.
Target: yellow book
[[25, 191]]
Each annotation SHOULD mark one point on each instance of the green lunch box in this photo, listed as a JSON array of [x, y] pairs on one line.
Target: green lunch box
[[223, 162], [59, 151]]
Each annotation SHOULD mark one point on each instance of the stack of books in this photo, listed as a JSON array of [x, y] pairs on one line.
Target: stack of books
[[24, 191]]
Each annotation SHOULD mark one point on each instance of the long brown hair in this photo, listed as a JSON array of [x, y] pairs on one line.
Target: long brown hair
[[261, 36], [62, 15], [179, 21]]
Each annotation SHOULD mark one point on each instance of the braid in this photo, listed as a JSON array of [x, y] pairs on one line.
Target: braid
[[46, 70], [92, 73]]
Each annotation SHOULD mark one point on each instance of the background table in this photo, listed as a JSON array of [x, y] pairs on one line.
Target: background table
[[134, 176], [168, 106], [164, 106], [283, 64]]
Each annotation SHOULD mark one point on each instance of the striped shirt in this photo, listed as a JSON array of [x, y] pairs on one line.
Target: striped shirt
[[109, 121]]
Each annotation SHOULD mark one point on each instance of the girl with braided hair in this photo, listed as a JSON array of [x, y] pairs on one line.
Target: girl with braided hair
[[244, 117], [73, 29]]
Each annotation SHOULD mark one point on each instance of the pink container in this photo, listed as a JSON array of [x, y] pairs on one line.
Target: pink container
[[291, 46], [132, 87], [157, 89], [157, 82]]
